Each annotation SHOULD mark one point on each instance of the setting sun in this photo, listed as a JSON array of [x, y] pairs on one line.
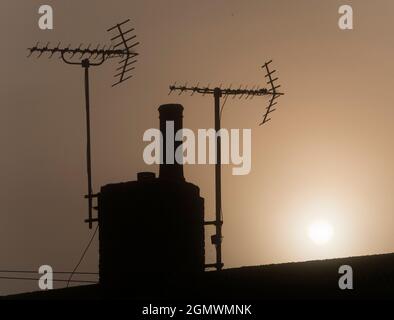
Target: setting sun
[[320, 232]]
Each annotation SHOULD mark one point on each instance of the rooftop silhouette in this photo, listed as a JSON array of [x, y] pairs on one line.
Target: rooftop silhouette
[[373, 278], [151, 245]]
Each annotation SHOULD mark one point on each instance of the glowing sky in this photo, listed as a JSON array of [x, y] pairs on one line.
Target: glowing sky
[[326, 155]]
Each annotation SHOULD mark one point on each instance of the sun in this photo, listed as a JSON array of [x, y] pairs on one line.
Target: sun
[[320, 232]]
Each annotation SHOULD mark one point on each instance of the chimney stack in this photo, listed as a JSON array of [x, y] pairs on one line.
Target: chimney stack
[[151, 229]]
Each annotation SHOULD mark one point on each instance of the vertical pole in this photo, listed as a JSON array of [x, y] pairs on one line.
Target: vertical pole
[[86, 65], [218, 183]]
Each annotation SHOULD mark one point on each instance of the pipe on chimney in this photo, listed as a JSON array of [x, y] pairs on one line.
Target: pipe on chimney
[[170, 113]]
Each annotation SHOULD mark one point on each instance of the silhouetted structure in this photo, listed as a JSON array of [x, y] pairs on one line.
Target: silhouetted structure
[[218, 93], [93, 58], [153, 225], [373, 278], [152, 247], [172, 112]]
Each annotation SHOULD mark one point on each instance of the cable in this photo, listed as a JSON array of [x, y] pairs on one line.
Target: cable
[[83, 256], [57, 280], [221, 109], [54, 272]]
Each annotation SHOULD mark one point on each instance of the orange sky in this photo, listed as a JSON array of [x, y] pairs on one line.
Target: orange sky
[[327, 153]]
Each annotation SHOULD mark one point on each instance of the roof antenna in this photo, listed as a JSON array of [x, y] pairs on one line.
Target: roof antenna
[[218, 92], [87, 57]]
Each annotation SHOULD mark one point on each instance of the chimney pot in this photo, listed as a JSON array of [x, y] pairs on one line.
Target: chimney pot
[[171, 112]]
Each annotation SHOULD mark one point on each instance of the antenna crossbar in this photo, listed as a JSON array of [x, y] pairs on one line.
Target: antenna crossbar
[[107, 53], [225, 91]]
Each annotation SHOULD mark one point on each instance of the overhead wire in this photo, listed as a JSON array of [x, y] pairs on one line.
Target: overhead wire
[[83, 256], [56, 280]]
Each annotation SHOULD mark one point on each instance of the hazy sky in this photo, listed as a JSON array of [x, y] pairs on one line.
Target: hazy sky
[[327, 153]]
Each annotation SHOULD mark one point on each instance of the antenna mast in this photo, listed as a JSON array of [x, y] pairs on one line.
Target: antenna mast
[[218, 93], [89, 57]]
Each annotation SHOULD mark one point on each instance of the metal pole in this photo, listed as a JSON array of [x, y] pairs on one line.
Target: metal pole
[[86, 65], [218, 183]]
